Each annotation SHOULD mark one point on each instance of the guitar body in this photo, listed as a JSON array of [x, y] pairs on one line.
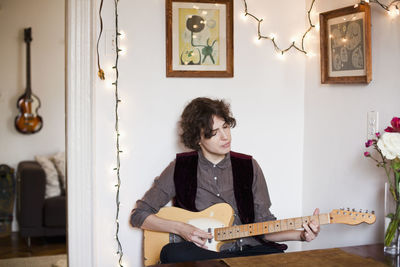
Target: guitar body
[[28, 121], [216, 216]]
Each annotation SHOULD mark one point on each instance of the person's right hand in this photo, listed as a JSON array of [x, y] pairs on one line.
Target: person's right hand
[[194, 234]]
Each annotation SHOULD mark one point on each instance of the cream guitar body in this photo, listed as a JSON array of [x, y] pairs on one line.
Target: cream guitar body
[[218, 220], [216, 216]]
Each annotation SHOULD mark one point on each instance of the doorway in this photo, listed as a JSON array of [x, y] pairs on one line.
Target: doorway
[[41, 147]]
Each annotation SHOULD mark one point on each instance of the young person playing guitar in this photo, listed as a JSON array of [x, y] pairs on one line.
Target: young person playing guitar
[[212, 174]]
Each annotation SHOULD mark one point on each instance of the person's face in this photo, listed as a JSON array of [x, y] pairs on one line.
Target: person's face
[[216, 147]]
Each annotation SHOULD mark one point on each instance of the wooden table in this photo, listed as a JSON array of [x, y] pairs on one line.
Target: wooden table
[[366, 255]]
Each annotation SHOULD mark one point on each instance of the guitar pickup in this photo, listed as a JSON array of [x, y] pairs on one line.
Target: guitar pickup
[[173, 238]]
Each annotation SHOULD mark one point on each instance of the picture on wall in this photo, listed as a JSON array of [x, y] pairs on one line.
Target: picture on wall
[[345, 43], [199, 38]]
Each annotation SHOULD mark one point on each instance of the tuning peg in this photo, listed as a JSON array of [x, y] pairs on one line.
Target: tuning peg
[[348, 209], [373, 212], [360, 210], [353, 210]]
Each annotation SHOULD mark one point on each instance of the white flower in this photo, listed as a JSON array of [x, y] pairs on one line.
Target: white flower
[[389, 144]]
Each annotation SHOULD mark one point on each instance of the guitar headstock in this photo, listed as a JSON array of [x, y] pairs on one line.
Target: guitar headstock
[[351, 217], [28, 35]]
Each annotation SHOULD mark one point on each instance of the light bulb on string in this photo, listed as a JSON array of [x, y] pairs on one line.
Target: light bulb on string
[[124, 153], [281, 56], [113, 188], [111, 169], [243, 17], [310, 54], [257, 40], [393, 11], [121, 35], [122, 51], [110, 84]]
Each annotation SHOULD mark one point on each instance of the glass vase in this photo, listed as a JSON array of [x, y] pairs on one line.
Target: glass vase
[[391, 208]]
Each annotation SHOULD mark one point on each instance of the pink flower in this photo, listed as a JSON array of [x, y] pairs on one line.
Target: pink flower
[[378, 134], [369, 143], [367, 154], [395, 126]]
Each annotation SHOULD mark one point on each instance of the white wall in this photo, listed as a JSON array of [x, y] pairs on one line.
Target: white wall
[[335, 173], [266, 95], [46, 17], [308, 138]]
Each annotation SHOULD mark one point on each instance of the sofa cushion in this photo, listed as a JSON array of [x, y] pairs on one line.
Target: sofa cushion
[[54, 212], [59, 162], [52, 182]]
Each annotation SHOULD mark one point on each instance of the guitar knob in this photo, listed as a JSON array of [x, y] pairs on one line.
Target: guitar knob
[[348, 209], [373, 212], [360, 210], [353, 210], [366, 211]]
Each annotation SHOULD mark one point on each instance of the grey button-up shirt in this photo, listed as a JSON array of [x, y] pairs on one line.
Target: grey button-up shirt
[[214, 185]]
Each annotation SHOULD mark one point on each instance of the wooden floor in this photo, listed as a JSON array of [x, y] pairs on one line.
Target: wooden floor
[[14, 246]]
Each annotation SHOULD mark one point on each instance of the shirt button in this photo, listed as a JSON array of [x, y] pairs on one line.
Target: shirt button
[[215, 178], [241, 240], [218, 195], [214, 165]]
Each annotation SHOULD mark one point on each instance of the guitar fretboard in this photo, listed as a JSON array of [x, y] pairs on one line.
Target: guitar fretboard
[[254, 229]]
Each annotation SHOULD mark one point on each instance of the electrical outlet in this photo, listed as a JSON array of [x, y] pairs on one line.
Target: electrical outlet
[[110, 42], [372, 124]]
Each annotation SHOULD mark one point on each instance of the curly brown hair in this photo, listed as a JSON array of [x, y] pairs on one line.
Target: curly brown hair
[[197, 119]]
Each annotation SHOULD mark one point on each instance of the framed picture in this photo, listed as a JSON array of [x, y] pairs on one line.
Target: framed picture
[[199, 38], [345, 43]]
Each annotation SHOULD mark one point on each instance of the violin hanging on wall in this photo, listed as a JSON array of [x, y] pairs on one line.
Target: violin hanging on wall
[[28, 121]]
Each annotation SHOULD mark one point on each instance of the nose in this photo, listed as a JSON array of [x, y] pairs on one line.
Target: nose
[[224, 135]]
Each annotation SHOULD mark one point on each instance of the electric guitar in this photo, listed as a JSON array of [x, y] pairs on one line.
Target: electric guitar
[[218, 220], [28, 121]]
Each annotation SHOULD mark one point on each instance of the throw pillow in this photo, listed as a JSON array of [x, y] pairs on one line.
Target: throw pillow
[[59, 162], [52, 183]]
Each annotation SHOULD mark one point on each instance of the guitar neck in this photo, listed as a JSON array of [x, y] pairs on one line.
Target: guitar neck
[[254, 229], [28, 40], [28, 70]]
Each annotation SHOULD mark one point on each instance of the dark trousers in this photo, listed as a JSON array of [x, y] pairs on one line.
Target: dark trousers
[[187, 251]]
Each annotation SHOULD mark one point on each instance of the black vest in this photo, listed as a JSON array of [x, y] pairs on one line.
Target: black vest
[[185, 179]]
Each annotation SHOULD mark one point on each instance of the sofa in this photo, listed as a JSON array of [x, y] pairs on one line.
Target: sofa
[[38, 216]]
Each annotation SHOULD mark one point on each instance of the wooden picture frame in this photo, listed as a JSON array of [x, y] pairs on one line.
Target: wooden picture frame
[[345, 43], [199, 38]]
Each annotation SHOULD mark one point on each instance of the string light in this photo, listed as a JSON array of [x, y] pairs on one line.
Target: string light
[[393, 5], [119, 35], [392, 8], [122, 35], [272, 37]]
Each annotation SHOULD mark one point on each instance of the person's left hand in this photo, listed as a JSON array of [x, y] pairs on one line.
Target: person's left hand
[[311, 229]]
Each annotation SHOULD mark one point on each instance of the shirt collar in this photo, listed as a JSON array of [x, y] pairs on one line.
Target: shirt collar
[[222, 164]]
